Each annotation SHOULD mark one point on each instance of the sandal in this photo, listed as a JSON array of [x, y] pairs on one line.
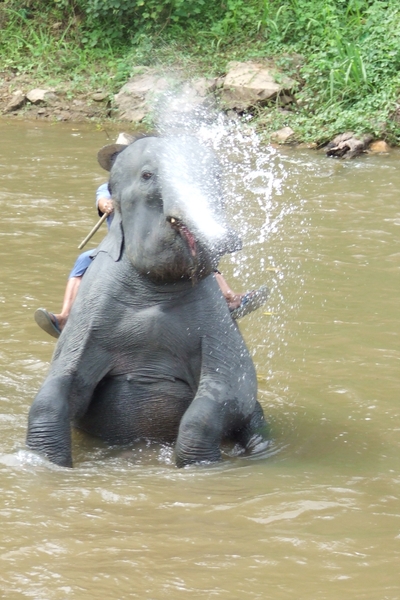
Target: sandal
[[48, 322], [251, 301]]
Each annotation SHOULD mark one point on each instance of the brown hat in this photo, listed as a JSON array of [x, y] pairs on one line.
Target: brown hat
[[106, 154]]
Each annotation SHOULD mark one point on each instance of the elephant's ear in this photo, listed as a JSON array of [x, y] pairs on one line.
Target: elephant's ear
[[114, 240]]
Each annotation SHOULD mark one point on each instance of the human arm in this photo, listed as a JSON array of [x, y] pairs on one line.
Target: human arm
[[104, 203]]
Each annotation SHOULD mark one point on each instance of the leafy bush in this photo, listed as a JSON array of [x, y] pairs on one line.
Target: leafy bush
[[347, 51]]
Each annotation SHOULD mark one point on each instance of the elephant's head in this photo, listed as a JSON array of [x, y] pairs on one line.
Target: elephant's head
[[169, 213]]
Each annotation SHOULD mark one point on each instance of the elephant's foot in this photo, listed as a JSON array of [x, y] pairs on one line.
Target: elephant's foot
[[251, 301], [49, 447], [49, 431], [193, 456], [255, 436], [198, 441]]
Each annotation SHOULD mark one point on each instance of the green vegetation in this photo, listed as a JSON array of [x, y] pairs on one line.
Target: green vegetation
[[344, 54]]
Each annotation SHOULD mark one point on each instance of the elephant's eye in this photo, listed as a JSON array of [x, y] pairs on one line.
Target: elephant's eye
[[147, 175]]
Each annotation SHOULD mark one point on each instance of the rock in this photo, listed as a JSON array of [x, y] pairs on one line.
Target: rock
[[38, 96], [250, 83], [191, 94], [18, 99], [285, 99], [64, 116], [308, 146], [282, 135], [346, 145], [99, 96], [135, 99], [379, 147], [51, 98], [203, 86], [182, 108]]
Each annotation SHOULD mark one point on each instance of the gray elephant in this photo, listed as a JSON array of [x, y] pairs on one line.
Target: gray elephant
[[150, 350]]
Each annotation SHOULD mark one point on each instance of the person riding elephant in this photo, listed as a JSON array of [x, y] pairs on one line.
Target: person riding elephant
[[53, 323], [149, 350]]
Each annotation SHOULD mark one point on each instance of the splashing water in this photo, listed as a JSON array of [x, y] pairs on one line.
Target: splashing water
[[264, 206], [193, 189]]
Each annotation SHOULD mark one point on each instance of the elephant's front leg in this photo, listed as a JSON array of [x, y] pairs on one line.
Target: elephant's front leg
[[49, 430], [200, 431], [223, 405]]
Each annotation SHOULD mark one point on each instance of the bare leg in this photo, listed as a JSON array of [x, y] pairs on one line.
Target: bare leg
[[241, 305], [233, 299], [51, 323], [69, 296]]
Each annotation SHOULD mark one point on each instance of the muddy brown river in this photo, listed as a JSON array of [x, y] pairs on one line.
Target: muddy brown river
[[316, 516]]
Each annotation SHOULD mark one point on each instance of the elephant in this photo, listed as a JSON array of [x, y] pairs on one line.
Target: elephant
[[150, 351]]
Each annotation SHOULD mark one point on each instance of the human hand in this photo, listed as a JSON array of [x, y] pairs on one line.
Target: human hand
[[105, 205]]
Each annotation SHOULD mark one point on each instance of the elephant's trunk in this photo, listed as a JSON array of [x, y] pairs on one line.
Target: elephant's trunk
[[189, 211], [189, 178]]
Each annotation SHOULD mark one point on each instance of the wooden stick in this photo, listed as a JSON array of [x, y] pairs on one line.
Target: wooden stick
[[95, 228]]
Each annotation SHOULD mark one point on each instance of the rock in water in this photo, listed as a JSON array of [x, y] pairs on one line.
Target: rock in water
[[346, 145]]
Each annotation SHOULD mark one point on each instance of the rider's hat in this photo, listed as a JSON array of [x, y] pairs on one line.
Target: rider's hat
[[107, 154]]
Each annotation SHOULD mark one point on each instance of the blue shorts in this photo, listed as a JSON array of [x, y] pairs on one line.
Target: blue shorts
[[81, 264]]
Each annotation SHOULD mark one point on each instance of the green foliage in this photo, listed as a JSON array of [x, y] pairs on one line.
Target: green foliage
[[345, 54], [350, 71], [125, 19]]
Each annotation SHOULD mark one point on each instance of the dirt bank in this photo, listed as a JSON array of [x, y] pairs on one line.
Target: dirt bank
[[23, 98]]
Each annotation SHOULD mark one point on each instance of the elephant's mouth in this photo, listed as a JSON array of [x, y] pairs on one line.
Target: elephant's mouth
[[185, 233]]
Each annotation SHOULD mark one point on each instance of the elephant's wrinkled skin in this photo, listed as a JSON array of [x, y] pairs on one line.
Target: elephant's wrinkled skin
[[150, 350]]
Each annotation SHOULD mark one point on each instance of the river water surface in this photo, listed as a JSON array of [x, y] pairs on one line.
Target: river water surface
[[316, 516]]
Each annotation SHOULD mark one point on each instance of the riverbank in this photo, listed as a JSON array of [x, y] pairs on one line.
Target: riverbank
[[344, 65], [234, 96], [53, 103]]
